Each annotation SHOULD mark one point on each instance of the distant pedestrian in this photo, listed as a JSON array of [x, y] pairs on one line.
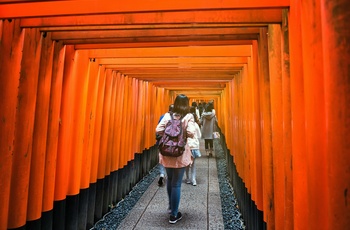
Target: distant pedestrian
[[193, 143], [195, 105], [175, 166], [208, 121]]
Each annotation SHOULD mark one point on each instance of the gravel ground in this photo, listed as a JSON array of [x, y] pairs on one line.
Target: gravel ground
[[230, 212], [231, 215]]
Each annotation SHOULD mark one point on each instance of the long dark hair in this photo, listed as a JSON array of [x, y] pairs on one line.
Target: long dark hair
[[193, 111], [181, 105]]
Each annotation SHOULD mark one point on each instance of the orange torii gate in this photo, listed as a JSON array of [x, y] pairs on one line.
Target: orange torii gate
[[278, 72]]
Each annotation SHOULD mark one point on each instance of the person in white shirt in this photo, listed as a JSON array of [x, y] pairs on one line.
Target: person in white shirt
[[193, 143]]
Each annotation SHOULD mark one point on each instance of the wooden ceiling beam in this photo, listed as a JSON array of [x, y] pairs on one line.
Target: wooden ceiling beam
[[174, 65], [161, 72], [89, 7], [192, 51], [238, 17], [164, 39], [144, 27], [160, 44], [101, 34], [171, 60], [217, 78]]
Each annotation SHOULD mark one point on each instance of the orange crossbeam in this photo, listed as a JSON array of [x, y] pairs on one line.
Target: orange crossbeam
[[237, 16], [66, 35], [84, 7], [161, 44], [206, 51]]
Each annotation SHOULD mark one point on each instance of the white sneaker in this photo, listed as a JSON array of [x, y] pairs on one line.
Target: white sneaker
[[188, 181], [194, 183]]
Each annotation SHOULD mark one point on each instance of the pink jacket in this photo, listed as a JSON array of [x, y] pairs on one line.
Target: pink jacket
[[186, 158]]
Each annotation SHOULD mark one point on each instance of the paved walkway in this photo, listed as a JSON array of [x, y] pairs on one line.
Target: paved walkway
[[200, 205]]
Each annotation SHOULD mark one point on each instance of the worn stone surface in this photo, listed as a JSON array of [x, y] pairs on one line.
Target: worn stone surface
[[200, 205]]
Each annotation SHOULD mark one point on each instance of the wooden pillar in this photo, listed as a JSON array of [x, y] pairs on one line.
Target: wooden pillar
[[35, 193], [96, 186], [336, 48], [11, 46], [287, 125], [275, 71], [118, 120], [256, 127], [65, 130], [116, 130], [299, 165], [105, 126], [54, 120], [80, 86], [24, 127], [315, 123], [112, 113], [267, 155], [89, 126], [139, 117]]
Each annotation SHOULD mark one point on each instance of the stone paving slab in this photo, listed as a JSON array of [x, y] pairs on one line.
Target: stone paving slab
[[200, 205]]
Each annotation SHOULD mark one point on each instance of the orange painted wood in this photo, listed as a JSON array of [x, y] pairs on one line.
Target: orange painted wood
[[64, 148], [128, 125], [118, 120], [140, 116], [125, 147], [267, 155], [299, 163], [36, 184], [206, 51], [134, 112], [168, 39], [89, 126], [24, 127], [335, 34], [237, 16], [139, 61], [275, 71], [153, 121], [54, 121], [105, 124], [101, 34], [114, 153], [98, 125], [248, 143], [111, 127], [84, 7], [11, 43], [251, 130], [102, 26], [160, 44], [123, 134], [315, 117], [125, 138], [80, 87], [287, 125], [256, 125]]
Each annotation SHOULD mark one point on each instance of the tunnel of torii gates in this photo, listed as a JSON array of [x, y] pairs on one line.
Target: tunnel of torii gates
[[83, 83]]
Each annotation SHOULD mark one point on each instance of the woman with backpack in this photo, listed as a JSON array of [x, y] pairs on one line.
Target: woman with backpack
[[175, 166]]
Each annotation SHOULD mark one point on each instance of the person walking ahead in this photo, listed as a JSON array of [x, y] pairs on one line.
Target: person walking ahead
[[193, 143], [175, 166], [161, 167], [208, 122]]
